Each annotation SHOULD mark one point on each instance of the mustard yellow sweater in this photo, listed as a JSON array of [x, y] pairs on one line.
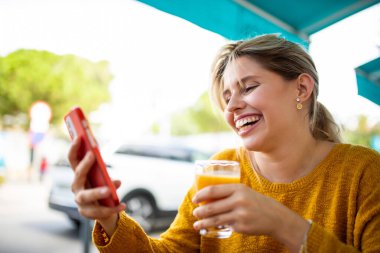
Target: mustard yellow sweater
[[341, 196]]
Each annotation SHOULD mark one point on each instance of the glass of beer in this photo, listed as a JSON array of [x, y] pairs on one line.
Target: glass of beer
[[213, 172]]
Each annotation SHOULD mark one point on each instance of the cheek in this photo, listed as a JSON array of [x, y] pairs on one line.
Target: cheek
[[259, 98], [229, 117]]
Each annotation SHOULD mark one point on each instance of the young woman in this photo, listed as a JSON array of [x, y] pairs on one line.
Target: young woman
[[301, 189]]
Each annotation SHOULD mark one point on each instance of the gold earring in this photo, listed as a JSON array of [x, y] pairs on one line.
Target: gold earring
[[299, 105]]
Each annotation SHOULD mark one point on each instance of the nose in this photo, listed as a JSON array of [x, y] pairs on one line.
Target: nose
[[236, 102]]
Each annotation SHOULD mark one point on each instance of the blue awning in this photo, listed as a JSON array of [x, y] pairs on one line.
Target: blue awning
[[368, 80], [239, 19], [293, 19]]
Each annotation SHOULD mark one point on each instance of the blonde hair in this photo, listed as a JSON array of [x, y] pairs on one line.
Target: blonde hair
[[288, 60]]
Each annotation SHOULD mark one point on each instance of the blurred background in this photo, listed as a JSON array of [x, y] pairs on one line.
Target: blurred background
[[142, 76]]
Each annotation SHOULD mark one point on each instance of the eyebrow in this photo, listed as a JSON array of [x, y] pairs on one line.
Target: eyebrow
[[244, 79]]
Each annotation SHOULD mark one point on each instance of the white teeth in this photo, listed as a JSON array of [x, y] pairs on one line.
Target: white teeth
[[239, 123]]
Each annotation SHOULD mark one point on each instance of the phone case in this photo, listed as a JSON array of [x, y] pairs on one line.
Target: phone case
[[78, 125]]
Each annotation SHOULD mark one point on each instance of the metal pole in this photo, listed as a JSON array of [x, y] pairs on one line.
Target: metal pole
[[86, 235]]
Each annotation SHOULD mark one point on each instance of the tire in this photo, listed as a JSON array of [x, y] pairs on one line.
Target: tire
[[141, 207]]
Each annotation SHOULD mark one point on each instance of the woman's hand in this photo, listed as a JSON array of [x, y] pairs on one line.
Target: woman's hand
[[249, 212], [86, 199]]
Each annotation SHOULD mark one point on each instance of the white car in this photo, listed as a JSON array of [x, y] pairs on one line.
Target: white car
[[155, 178]]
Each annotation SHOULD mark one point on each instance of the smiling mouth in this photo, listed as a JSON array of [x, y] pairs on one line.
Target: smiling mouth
[[245, 123]]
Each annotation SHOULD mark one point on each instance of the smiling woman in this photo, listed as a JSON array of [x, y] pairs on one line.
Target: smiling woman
[[300, 188], [254, 67]]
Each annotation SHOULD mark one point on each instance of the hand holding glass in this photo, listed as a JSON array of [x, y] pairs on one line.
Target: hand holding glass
[[213, 172]]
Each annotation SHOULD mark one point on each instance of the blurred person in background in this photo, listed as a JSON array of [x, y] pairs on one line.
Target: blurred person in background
[[301, 189], [43, 168]]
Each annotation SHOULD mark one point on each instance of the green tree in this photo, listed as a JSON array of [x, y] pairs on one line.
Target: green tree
[[60, 80], [199, 118], [362, 134]]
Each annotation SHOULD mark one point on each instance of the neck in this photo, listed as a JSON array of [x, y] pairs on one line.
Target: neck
[[291, 162]]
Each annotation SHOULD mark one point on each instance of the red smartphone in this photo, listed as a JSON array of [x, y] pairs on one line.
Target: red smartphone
[[78, 125]]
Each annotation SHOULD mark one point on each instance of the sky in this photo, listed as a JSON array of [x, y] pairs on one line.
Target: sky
[[161, 63]]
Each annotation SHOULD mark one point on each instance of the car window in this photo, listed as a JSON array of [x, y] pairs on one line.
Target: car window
[[197, 155], [162, 152]]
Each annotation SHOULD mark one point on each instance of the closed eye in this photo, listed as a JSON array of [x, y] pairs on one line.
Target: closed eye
[[248, 89]]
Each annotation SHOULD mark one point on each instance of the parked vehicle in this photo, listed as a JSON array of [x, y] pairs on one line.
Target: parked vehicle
[[155, 179]]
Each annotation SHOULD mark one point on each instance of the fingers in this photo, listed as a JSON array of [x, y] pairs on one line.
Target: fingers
[[228, 206], [215, 221], [87, 199], [88, 207], [214, 208], [91, 195], [214, 192], [81, 171], [99, 212], [116, 183], [73, 152]]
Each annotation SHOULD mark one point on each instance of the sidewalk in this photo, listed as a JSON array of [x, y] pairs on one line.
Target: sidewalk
[[29, 226]]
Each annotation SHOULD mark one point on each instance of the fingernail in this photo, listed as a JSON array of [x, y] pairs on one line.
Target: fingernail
[[194, 199], [104, 190], [196, 225]]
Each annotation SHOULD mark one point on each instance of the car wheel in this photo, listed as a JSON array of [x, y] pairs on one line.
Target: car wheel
[[142, 209]]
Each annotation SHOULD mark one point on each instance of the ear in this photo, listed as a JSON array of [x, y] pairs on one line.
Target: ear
[[305, 86]]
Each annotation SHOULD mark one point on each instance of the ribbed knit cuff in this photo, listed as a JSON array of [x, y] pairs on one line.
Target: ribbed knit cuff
[[125, 226]]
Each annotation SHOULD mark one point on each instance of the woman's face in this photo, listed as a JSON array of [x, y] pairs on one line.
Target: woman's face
[[262, 111]]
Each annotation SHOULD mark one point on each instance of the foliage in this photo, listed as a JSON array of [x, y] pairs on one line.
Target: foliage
[[199, 118], [155, 128], [363, 134], [62, 81]]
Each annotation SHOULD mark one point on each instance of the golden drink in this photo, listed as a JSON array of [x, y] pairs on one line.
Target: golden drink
[[201, 181], [214, 172]]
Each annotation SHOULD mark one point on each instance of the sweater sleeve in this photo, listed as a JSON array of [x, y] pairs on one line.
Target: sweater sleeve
[[180, 237], [367, 221], [128, 235], [320, 240], [365, 232]]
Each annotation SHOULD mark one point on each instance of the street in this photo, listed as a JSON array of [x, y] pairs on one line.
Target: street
[[27, 224]]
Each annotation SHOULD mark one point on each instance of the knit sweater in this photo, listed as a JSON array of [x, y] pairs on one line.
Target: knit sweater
[[341, 196]]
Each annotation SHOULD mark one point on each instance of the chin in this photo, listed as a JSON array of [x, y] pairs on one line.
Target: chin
[[252, 145]]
